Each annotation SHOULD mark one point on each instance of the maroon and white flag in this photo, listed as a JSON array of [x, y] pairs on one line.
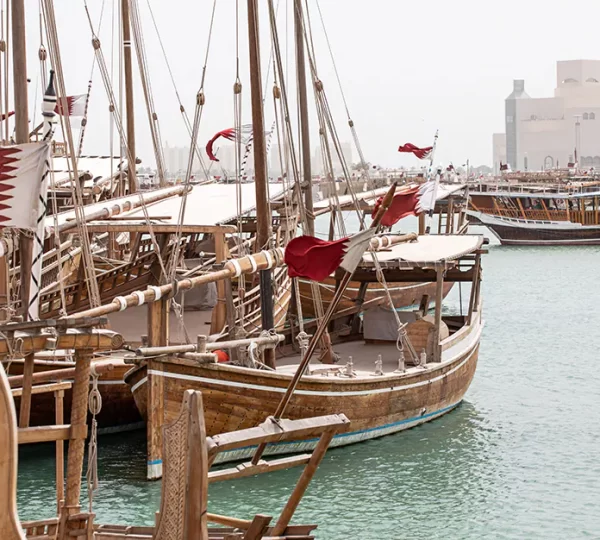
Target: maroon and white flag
[[24, 170], [410, 202], [75, 106], [421, 153], [315, 259], [244, 135]]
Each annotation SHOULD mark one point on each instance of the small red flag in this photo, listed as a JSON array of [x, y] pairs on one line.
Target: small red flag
[[421, 153]]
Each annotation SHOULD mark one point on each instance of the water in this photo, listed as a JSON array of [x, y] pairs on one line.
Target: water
[[518, 459]]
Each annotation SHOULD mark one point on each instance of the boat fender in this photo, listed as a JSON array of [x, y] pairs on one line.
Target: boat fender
[[222, 356]]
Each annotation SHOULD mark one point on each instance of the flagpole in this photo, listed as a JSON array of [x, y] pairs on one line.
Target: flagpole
[[48, 106], [316, 338]]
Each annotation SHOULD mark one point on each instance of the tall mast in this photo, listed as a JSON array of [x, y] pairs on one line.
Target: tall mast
[[129, 95], [19, 51], [263, 216], [304, 127]]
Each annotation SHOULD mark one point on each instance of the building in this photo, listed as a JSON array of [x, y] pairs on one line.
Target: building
[[544, 133]]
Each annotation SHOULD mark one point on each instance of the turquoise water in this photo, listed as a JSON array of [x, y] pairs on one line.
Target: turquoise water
[[520, 458]]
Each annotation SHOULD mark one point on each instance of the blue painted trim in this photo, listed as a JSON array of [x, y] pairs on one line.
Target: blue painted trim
[[155, 462]]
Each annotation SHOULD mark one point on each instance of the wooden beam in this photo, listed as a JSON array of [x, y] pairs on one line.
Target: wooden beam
[[305, 478], [43, 389], [101, 340], [129, 103], [158, 227], [415, 275], [219, 312], [59, 396], [271, 431], [58, 374], [247, 469], [40, 434]]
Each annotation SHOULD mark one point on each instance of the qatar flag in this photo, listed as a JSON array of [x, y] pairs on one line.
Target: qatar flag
[[410, 202], [421, 153], [75, 106], [315, 259]]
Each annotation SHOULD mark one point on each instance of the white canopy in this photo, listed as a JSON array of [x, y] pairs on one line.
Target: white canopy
[[430, 249], [209, 204], [98, 167]]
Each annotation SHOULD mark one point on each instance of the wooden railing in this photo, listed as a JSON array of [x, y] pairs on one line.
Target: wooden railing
[[585, 217]]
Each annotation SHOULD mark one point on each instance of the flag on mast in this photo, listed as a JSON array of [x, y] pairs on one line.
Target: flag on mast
[[410, 202], [75, 106], [315, 259], [421, 153]]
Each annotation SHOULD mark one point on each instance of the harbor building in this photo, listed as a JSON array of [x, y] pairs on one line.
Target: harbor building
[[549, 132]]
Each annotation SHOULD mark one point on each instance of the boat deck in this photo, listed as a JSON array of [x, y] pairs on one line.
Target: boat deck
[[364, 355]]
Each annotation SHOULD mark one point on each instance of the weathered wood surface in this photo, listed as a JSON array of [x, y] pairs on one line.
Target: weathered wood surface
[[9, 520]]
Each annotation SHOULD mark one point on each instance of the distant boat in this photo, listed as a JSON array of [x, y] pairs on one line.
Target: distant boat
[[550, 214]]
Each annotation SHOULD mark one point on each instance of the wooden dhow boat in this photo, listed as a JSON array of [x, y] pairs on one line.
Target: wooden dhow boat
[[380, 390], [539, 215]]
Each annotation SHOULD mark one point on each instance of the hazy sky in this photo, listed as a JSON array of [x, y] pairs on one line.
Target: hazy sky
[[407, 68]]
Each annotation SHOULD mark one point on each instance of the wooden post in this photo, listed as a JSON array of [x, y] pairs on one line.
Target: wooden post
[[305, 478], [450, 216], [304, 126], [263, 214], [4, 288], [473, 296], [60, 448], [25, 408], [439, 298], [129, 96], [25, 260], [79, 409], [422, 223], [219, 313], [196, 502], [158, 336], [596, 209]]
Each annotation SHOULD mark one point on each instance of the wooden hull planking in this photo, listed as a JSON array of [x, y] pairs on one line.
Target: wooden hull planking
[[238, 398]]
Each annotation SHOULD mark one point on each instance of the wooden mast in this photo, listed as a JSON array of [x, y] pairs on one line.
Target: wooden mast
[[263, 216], [129, 96], [304, 126], [19, 50]]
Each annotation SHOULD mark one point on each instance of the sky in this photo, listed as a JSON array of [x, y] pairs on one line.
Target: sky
[[407, 69]]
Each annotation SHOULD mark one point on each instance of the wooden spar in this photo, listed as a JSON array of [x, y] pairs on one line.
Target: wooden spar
[[263, 260], [304, 125], [72, 339], [305, 478], [19, 48], [179, 349], [116, 208], [422, 223], [263, 214], [127, 64], [316, 338]]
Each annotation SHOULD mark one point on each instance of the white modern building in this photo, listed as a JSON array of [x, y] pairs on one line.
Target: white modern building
[[544, 133]]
